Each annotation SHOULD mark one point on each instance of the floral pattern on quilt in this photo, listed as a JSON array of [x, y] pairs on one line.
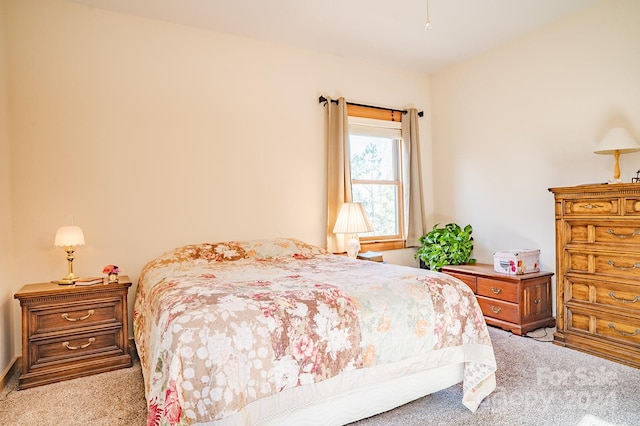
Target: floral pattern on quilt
[[220, 325]]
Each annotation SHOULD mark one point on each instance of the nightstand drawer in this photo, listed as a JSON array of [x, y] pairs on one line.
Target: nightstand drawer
[[71, 348], [469, 280], [497, 289], [498, 309], [75, 315]]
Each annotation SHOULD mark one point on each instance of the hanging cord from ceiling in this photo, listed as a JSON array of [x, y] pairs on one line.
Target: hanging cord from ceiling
[[427, 25]]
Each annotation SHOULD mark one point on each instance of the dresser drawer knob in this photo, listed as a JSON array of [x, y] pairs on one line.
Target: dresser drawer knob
[[74, 348], [624, 333], [635, 233], [496, 310], [89, 313], [622, 268], [536, 301], [496, 290], [619, 299]]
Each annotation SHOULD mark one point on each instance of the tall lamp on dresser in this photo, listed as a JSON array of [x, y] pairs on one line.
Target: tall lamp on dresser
[[598, 270]]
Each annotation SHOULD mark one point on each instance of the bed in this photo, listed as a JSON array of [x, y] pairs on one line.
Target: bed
[[282, 332]]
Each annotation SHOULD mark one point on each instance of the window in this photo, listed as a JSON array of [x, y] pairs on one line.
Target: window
[[376, 177]]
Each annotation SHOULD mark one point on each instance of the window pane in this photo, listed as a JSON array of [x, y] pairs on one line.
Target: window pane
[[372, 158], [381, 204]]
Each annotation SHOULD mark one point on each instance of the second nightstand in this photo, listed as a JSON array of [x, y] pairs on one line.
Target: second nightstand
[[72, 331], [519, 303]]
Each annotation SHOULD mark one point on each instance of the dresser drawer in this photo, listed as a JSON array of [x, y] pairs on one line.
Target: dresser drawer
[[605, 293], [606, 325], [498, 309], [74, 347], [612, 264], [615, 233], [75, 315], [592, 207], [632, 206], [469, 280], [496, 289]]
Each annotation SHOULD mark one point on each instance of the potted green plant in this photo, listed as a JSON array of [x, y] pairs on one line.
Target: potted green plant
[[447, 245]]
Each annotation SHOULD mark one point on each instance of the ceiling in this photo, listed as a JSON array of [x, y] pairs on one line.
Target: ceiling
[[380, 31]]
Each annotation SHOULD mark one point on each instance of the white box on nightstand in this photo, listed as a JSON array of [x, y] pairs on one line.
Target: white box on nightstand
[[516, 262]]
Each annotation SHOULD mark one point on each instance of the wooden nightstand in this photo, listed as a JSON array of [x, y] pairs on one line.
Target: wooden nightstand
[[519, 303], [72, 331]]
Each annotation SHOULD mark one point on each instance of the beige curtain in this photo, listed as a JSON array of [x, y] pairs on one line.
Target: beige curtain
[[338, 169], [414, 220]]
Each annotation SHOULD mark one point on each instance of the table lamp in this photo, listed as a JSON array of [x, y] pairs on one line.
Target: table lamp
[[69, 237], [617, 141], [352, 219]]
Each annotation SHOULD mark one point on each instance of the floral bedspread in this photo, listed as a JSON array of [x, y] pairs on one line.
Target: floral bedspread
[[220, 325]]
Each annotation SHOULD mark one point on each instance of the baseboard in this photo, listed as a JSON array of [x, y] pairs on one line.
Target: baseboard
[[9, 372]]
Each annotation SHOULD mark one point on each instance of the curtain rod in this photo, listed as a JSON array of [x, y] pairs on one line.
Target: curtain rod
[[324, 100]]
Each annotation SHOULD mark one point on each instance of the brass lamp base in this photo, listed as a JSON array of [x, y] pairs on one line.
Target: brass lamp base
[[67, 281], [71, 278]]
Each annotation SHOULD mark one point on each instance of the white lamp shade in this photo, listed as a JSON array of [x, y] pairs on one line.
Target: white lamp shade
[[69, 236], [617, 139], [352, 219]]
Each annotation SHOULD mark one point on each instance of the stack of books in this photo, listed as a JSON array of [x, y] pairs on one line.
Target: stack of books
[[89, 281]]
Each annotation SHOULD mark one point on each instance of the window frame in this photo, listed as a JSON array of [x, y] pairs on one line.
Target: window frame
[[383, 242]]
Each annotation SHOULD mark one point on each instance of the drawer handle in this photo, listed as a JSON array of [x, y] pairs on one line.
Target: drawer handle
[[622, 268], [613, 296], [74, 348], [635, 233], [496, 310], [623, 333], [536, 301], [592, 206], [496, 290], [89, 313]]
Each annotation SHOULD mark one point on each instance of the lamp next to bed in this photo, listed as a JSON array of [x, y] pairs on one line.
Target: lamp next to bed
[[352, 220], [69, 237]]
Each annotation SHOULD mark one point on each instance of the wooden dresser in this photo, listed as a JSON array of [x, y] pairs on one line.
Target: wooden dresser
[[71, 331], [598, 270], [518, 303]]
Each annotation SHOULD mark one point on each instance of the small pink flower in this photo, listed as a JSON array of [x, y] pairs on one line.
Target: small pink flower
[[303, 348], [110, 269]]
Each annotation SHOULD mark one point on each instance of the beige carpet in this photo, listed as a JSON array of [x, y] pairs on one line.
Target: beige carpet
[[538, 384]]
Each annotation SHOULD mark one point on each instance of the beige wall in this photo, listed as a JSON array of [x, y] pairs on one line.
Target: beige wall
[[152, 135], [525, 117], [6, 250]]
